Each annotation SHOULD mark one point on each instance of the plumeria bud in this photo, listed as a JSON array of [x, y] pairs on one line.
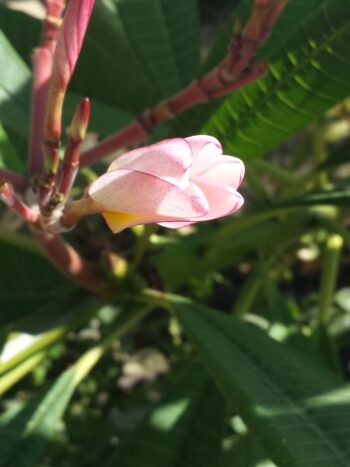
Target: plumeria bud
[[80, 121], [76, 135], [69, 43], [115, 266], [174, 183], [70, 38]]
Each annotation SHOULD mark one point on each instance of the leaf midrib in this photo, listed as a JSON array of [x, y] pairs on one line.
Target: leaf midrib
[[283, 396]]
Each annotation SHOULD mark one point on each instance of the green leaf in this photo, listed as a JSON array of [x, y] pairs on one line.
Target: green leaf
[[104, 118], [234, 241], [9, 158], [308, 74], [291, 15], [12, 21], [14, 88], [176, 431], [25, 433], [135, 53], [138, 52], [220, 247], [245, 452], [21, 290], [25, 430], [297, 408], [45, 326], [336, 197]]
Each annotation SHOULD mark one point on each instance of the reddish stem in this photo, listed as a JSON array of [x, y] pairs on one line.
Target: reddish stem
[[8, 196], [69, 168], [194, 94], [64, 257], [76, 135], [42, 66], [17, 181], [133, 133], [47, 181], [244, 79]]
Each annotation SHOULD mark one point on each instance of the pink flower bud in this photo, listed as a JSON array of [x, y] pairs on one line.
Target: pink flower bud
[[70, 38], [80, 121], [69, 43], [174, 183]]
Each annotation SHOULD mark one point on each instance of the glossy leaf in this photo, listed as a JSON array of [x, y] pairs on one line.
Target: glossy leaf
[[14, 88], [297, 408], [8, 155], [138, 52]]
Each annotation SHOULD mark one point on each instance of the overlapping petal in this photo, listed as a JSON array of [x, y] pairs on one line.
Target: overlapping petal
[[205, 149], [198, 142], [135, 192], [173, 168], [174, 183], [226, 170]]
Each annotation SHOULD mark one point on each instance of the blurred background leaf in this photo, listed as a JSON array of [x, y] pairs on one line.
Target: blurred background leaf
[[185, 428]]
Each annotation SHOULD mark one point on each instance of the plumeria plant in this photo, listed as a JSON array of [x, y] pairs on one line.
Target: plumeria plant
[[147, 317]]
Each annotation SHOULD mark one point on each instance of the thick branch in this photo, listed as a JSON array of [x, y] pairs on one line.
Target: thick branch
[[9, 197], [65, 258], [42, 66], [17, 181]]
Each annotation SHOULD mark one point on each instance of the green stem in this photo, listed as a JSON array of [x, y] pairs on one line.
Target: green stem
[[329, 277], [142, 244], [10, 378], [126, 322], [155, 298], [337, 227], [320, 153], [44, 342]]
